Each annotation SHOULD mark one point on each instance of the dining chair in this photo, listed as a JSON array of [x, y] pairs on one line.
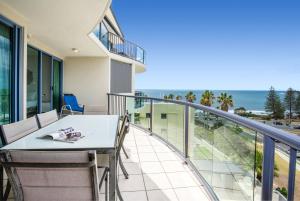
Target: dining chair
[[53, 175], [47, 118], [126, 132], [12, 132], [125, 173], [103, 159]]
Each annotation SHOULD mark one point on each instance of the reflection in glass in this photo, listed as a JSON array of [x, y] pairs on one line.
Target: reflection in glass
[[139, 111], [297, 182], [224, 153], [56, 84], [46, 83], [5, 73], [32, 81], [96, 31], [139, 54], [201, 144], [104, 35], [168, 123]]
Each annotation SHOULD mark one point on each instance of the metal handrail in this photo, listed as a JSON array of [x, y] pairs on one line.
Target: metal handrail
[[118, 45], [275, 133], [270, 136]]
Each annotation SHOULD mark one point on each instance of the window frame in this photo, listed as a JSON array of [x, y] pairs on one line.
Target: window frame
[[16, 83]]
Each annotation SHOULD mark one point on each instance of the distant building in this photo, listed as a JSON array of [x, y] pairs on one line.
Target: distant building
[[240, 110]]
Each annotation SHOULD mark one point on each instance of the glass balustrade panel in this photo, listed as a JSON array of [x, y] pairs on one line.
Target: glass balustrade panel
[[224, 153], [168, 123], [139, 111]]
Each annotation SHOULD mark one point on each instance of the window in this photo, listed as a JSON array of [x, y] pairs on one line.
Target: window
[[32, 81], [103, 35], [44, 82], [5, 73], [10, 50], [163, 116]]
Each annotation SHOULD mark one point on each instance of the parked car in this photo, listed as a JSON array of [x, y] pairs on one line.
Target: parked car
[[297, 127]]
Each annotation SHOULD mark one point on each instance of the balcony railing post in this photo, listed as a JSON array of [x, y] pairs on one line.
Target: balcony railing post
[[117, 105], [186, 131], [125, 105], [108, 38], [268, 168], [151, 116], [113, 104], [108, 104], [292, 174]]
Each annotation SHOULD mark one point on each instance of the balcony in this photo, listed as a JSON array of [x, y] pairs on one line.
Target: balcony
[[156, 172], [235, 158], [118, 45]]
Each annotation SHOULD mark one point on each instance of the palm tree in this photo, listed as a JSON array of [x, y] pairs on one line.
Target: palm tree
[[190, 97], [225, 101], [207, 98], [171, 96], [166, 97], [178, 97]]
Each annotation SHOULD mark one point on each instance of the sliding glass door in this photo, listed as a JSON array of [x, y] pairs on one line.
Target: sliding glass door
[[43, 82], [5, 73], [46, 82], [56, 84], [32, 81]]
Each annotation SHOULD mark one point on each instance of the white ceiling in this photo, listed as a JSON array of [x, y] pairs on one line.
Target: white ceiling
[[63, 24]]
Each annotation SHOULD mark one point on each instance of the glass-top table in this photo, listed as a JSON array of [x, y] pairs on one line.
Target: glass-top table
[[100, 133]]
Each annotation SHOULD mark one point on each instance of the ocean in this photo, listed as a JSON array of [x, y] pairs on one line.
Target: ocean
[[251, 100]]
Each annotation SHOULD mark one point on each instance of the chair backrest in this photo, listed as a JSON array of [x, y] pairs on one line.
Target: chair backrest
[[14, 131], [47, 118], [71, 100], [126, 121], [52, 175], [122, 133]]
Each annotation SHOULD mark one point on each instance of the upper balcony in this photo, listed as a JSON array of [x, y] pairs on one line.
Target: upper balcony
[[118, 45]]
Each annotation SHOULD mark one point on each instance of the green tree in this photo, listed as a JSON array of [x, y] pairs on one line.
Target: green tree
[[297, 104], [178, 97], [290, 101], [166, 97], [207, 98], [171, 96], [225, 101], [190, 97], [274, 105]]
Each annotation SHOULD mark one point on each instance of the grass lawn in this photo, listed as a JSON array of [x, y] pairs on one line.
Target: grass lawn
[[282, 179]]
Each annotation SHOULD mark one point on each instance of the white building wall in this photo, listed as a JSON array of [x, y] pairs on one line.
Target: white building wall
[[88, 79]]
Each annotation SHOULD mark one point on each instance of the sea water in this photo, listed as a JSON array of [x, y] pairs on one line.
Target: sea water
[[251, 100]]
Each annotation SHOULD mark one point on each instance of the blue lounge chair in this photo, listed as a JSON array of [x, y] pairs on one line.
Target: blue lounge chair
[[71, 104]]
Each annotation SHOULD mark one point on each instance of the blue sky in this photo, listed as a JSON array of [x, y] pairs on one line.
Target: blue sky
[[215, 44]]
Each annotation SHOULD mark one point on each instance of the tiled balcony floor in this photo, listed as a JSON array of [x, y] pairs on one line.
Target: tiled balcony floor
[[156, 172]]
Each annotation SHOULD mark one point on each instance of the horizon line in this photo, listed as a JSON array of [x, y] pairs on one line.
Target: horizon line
[[214, 89]]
